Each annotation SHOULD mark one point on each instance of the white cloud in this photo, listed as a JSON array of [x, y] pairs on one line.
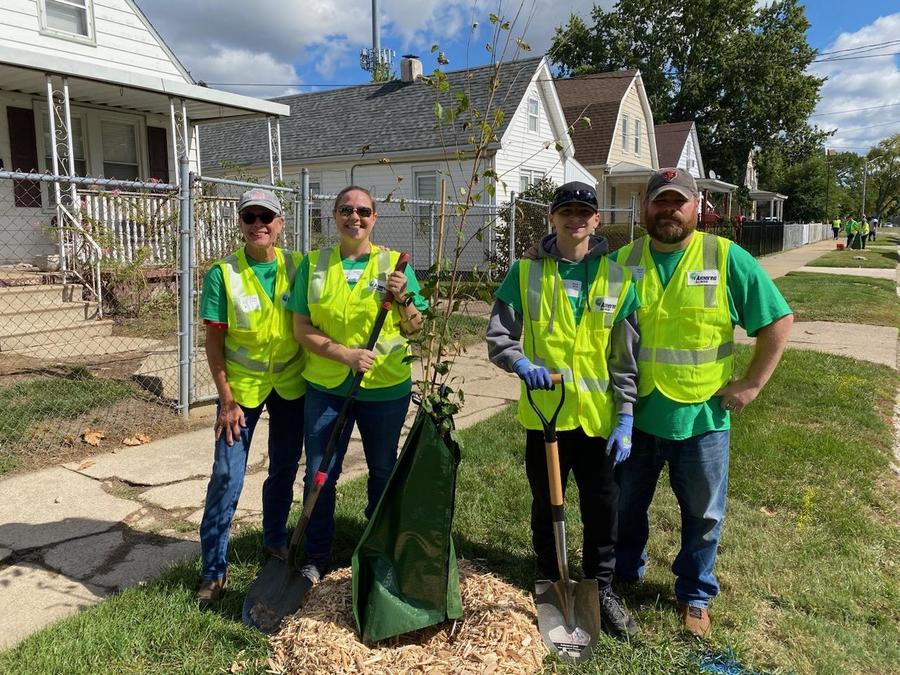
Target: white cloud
[[860, 83]]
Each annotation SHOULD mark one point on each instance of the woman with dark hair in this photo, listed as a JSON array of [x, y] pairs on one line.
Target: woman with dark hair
[[335, 301]]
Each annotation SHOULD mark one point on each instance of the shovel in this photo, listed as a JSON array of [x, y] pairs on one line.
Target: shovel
[[280, 590], [568, 612]]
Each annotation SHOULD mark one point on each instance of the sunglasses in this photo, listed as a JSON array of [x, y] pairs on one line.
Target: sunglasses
[[264, 218], [346, 210]]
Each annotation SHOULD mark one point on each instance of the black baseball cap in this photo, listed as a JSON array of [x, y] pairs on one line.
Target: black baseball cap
[[575, 193], [673, 179]]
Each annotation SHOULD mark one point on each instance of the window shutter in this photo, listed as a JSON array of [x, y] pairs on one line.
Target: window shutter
[[23, 151], [158, 151]]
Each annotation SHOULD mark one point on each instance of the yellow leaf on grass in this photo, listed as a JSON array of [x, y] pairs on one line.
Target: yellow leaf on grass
[[93, 436], [137, 439]]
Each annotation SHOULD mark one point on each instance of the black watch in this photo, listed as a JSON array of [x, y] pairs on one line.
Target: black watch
[[410, 297]]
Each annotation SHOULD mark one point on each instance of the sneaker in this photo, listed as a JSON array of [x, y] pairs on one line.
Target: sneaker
[[209, 592], [695, 620], [313, 572], [280, 552], [614, 618]]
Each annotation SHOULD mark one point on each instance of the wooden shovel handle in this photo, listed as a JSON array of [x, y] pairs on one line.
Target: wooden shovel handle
[[553, 473]]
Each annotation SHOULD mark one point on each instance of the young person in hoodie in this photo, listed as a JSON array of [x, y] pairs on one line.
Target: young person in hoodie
[[573, 311]]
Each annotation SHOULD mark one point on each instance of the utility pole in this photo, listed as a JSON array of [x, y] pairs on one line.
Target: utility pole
[[865, 176]]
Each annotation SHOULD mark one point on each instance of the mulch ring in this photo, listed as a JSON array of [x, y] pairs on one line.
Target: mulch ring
[[497, 634]]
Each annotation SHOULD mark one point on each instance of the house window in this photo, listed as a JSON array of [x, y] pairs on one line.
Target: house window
[[68, 18], [637, 137], [624, 133], [315, 208], [426, 189], [120, 150], [533, 115], [528, 177]]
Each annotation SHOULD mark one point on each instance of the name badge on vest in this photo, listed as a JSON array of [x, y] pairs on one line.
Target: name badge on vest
[[250, 303], [378, 285], [637, 272], [573, 287], [607, 304], [352, 276], [703, 278]]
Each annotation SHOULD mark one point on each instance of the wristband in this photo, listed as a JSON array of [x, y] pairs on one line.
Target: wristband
[[410, 297]]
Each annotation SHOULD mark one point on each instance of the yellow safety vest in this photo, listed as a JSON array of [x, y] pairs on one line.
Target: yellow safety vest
[[580, 353], [260, 350], [347, 315], [687, 338]]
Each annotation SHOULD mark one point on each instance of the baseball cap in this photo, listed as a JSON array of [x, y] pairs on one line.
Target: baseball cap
[[260, 197], [671, 179], [574, 193]]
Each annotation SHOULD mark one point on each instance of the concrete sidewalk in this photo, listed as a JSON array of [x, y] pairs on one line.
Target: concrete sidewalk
[[72, 535]]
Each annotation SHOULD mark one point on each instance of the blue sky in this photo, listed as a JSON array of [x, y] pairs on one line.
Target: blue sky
[[232, 45]]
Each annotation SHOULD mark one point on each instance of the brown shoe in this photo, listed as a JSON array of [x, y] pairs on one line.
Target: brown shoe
[[695, 620], [209, 592]]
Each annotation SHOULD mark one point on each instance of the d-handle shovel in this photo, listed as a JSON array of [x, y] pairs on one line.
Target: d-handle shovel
[[568, 612], [280, 590]]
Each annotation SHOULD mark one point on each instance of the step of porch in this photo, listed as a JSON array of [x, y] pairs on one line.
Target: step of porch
[[76, 337], [41, 317], [20, 298]]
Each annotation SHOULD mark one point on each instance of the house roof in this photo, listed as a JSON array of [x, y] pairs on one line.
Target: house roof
[[670, 140], [387, 119], [599, 97]]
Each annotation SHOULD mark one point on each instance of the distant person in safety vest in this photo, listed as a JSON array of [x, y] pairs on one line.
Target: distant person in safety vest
[[836, 227], [571, 310], [693, 289], [255, 364], [335, 303]]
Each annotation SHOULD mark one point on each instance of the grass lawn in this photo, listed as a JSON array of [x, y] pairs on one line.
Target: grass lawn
[[32, 401], [878, 258], [849, 299], [808, 562]]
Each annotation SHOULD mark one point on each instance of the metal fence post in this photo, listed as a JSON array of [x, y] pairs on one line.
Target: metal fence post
[[304, 209], [297, 234], [185, 299], [512, 227], [631, 234], [430, 235]]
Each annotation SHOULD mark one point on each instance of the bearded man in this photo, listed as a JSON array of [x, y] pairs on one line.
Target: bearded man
[[693, 289]]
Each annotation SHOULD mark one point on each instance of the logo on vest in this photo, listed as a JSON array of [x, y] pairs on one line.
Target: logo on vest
[[378, 285], [607, 304], [637, 272], [285, 298], [703, 278]]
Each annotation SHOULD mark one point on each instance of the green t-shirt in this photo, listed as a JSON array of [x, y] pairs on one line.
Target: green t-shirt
[[214, 302], [299, 304], [577, 278], [753, 302]]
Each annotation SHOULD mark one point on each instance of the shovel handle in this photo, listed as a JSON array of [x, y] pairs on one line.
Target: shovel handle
[[553, 474]]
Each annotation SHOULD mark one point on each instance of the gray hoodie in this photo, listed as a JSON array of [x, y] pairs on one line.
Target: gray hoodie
[[504, 334]]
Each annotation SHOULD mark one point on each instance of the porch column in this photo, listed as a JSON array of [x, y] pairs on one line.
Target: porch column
[[181, 141], [772, 208]]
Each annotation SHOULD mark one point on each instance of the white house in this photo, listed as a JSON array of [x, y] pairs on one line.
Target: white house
[[387, 137], [120, 103], [619, 146]]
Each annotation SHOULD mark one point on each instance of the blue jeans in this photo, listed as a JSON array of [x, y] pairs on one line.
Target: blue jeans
[[227, 480], [698, 474], [380, 424]]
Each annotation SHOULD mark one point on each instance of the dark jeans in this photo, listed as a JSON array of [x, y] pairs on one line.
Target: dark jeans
[[227, 480], [835, 230], [872, 234], [862, 239], [380, 424], [698, 474], [849, 240], [598, 495]]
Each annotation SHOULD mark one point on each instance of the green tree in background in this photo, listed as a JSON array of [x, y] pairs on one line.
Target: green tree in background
[[738, 71], [883, 182]]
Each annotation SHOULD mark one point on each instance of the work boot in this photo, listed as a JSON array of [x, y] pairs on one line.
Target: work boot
[[209, 592], [695, 620], [614, 618]]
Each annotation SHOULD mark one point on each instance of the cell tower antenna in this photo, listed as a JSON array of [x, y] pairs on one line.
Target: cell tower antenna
[[377, 61]]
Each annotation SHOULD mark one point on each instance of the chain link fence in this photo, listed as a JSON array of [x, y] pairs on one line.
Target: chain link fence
[[88, 310]]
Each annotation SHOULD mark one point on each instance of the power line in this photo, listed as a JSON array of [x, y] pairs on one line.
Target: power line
[[851, 110], [853, 58], [870, 126], [865, 47]]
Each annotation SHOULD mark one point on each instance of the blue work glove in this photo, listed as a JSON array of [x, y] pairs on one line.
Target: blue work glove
[[535, 377], [621, 438]]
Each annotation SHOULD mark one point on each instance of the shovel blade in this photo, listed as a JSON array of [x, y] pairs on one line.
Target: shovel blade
[[278, 591], [571, 634]]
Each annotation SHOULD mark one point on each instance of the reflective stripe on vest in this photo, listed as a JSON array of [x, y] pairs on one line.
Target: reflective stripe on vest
[[687, 339], [578, 352]]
